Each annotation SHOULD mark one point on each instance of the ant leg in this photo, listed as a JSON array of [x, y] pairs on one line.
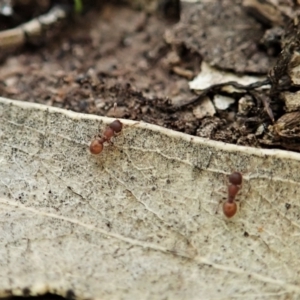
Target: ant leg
[[128, 126], [110, 142]]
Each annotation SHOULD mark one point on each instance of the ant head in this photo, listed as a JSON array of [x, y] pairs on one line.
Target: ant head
[[235, 178], [116, 126], [229, 209], [96, 146]]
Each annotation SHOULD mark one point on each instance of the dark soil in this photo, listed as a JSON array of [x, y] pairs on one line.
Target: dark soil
[[144, 63]]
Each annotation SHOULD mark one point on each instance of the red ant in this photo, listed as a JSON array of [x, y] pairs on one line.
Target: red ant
[[235, 181], [96, 145]]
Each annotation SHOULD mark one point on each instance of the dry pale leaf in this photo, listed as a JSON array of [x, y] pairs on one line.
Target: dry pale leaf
[[139, 221], [210, 76], [222, 102], [204, 109]]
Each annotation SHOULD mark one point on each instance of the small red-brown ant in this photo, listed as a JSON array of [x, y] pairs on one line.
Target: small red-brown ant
[[96, 145], [235, 181]]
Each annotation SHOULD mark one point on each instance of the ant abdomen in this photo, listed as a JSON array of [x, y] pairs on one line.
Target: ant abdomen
[[96, 146], [229, 209]]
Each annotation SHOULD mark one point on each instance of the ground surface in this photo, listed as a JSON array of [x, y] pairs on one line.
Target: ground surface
[[144, 63]]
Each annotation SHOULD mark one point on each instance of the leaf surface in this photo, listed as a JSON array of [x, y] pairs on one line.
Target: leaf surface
[[141, 220]]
